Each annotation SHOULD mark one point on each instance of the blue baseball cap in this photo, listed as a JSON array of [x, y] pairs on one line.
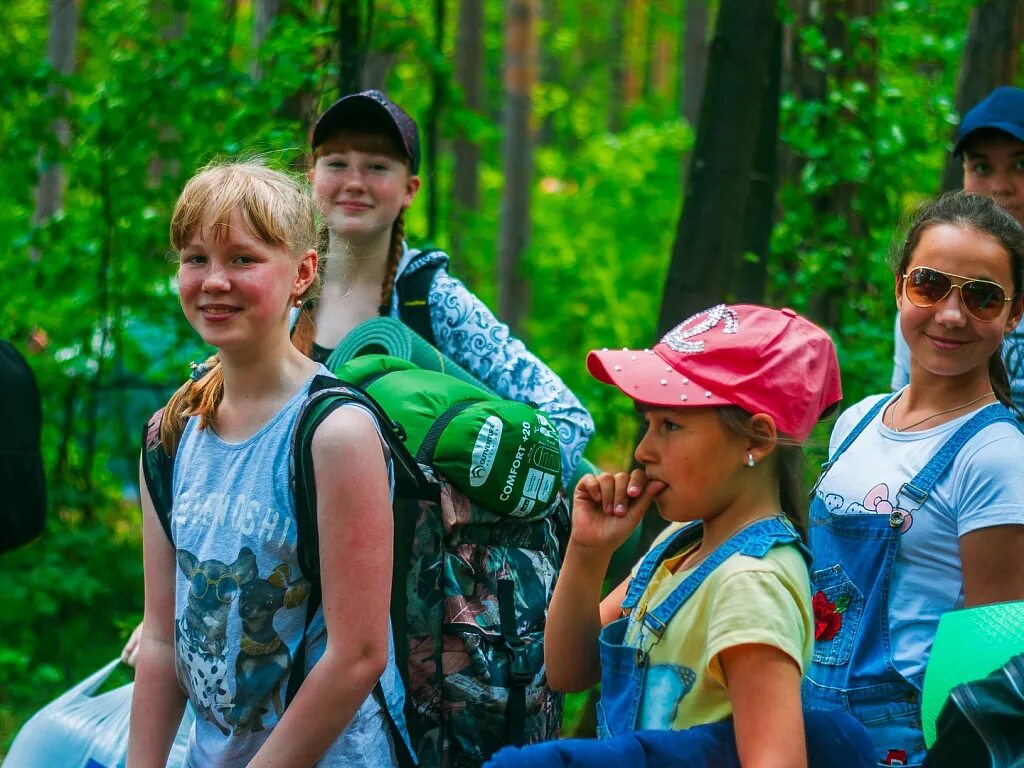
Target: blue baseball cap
[[372, 111], [1003, 110]]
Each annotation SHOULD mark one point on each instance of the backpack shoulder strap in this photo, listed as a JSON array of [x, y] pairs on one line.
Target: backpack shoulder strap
[[327, 394], [921, 486], [158, 472], [413, 287]]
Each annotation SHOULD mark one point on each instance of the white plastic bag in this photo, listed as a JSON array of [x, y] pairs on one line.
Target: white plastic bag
[[79, 730]]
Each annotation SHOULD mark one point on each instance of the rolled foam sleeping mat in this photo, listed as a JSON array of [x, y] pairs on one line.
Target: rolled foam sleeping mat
[[387, 336], [970, 643]]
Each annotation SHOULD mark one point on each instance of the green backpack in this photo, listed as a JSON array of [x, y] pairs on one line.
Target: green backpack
[[469, 599]]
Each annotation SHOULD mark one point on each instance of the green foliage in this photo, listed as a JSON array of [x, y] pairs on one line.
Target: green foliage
[[879, 137]]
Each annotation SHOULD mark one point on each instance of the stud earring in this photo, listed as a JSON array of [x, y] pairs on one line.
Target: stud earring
[[750, 459]]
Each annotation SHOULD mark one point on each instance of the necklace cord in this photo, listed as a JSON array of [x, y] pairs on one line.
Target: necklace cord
[[892, 412]]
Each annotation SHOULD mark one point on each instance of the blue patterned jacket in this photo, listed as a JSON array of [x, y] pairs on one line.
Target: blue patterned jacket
[[467, 331]]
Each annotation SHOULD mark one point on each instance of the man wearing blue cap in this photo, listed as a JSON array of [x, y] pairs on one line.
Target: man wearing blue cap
[[990, 141]]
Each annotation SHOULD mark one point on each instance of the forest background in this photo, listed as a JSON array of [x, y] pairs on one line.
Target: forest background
[[558, 139]]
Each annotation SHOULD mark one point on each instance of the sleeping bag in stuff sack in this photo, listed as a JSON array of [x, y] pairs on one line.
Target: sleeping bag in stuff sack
[[501, 453]]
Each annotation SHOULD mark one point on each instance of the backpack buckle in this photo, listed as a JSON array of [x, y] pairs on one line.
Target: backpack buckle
[[520, 672], [399, 431]]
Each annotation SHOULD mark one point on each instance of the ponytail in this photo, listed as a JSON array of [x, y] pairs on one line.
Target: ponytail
[[394, 256], [199, 396], [304, 332], [792, 490], [1000, 380]]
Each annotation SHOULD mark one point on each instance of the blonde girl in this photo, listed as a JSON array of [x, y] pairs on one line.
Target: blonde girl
[[225, 601]]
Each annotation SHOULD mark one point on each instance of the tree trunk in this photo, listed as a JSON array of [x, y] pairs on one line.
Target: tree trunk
[[263, 13], [694, 59], [709, 240], [649, 49], [173, 27], [550, 65], [805, 83], [617, 66], [353, 26], [433, 126], [991, 58], [695, 56], [838, 202], [300, 105], [60, 52], [469, 67], [228, 15], [517, 158], [748, 281], [376, 67]]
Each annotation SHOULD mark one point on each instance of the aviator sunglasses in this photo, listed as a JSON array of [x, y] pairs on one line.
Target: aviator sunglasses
[[926, 287]]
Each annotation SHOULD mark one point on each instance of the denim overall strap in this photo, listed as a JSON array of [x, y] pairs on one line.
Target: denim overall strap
[[922, 484], [754, 541], [672, 544], [854, 434]]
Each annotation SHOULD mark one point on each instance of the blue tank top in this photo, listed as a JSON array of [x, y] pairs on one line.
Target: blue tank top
[[240, 599]]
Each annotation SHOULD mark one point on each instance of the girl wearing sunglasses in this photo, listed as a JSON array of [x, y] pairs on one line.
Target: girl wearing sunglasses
[[920, 507]]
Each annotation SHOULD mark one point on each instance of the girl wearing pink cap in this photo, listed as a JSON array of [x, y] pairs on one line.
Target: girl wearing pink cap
[[715, 621], [920, 507]]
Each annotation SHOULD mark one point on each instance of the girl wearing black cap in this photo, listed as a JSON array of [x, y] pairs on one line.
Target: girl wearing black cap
[[365, 160]]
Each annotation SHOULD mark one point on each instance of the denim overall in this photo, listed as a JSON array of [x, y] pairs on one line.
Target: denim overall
[[853, 558], [623, 666]]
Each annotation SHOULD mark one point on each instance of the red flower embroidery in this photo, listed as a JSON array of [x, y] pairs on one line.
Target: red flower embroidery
[[828, 616], [896, 757]]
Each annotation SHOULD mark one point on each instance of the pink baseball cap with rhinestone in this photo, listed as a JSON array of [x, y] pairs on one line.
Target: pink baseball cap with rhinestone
[[763, 360]]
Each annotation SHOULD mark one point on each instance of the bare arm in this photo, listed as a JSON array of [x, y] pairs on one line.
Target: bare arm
[[355, 527], [157, 702], [992, 564], [764, 687], [606, 510]]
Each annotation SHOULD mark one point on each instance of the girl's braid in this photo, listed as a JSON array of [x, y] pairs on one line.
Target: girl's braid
[[394, 256]]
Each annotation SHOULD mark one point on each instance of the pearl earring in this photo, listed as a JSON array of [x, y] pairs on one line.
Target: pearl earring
[[750, 459], [298, 301]]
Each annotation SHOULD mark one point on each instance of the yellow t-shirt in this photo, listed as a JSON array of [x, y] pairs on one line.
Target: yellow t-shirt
[[744, 600]]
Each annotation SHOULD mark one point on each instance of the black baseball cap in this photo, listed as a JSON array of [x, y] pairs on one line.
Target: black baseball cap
[[1002, 110], [370, 110]]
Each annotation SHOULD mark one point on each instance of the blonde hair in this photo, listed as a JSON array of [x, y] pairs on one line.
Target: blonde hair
[[279, 211]]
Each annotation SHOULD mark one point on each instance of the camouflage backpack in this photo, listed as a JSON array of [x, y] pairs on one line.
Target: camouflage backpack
[[469, 599]]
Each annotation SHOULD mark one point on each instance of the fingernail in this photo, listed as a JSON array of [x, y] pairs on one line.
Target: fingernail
[[620, 509], [633, 489]]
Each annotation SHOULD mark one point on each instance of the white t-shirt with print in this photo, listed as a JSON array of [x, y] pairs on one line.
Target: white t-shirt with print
[[983, 487]]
